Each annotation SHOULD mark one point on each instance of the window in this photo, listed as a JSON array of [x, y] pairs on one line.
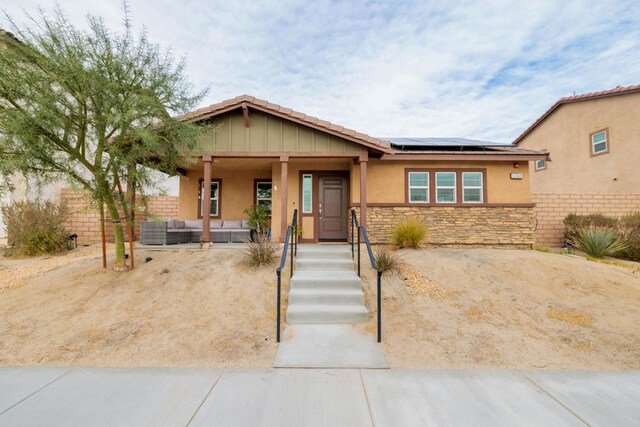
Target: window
[[599, 144], [418, 187], [263, 194], [215, 198], [541, 165], [445, 187], [307, 205], [472, 187]]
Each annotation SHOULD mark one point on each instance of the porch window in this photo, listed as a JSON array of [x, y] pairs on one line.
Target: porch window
[[263, 194], [472, 187], [445, 187], [215, 198], [307, 205], [418, 187]]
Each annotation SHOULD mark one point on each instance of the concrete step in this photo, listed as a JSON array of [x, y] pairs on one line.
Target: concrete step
[[326, 313], [310, 279], [324, 252], [324, 264], [326, 296]]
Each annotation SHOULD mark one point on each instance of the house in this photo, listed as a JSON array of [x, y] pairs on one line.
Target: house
[[594, 140], [467, 192]]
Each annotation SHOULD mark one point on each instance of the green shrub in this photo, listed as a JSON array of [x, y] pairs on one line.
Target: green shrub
[[35, 228], [573, 223], [598, 242], [386, 259], [261, 251], [409, 233], [630, 226], [258, 217]]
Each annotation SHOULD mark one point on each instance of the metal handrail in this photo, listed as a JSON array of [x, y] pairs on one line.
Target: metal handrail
[[292, 229], [363, 230]]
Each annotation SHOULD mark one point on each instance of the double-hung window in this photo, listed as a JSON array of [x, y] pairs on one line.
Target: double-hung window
[[599, 143], [263, 194], [445, 187], [214, 196], [418, 187], [472, 191]]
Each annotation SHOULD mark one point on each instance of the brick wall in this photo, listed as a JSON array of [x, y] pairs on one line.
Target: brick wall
[[551, 209], [84, 218], [458, 226]]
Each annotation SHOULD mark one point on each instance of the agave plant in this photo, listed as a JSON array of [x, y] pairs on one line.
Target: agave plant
[[598, 242]]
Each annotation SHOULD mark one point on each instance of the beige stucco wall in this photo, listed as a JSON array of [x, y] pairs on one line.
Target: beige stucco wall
[[566, 135], [268, 133]]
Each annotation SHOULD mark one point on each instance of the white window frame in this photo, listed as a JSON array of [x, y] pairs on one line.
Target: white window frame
[[310, 176], [605, 142], [540, 168], [258, 198], [455, 186], [423, 187], [217, 199], [473, 187]]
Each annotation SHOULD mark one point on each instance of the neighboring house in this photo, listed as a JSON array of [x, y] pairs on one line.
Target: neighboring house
[[467, 192], [594, 141]]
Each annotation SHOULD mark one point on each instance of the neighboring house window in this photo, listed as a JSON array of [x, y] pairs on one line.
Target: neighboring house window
[[215, 198], [472, 187], [541, 165], [418, 187], [307, 205], [445, 187], [263, 194], [599, 143]]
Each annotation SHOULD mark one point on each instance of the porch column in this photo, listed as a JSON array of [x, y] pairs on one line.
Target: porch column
[[206, 201], [363, 188], [284, 178]]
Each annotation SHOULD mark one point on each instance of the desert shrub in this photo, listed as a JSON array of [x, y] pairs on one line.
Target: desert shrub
[[386, 259], [35, 227], [598, 242], [630, 228], [258, 217], [260, 251], [573, 223], [409, 233]]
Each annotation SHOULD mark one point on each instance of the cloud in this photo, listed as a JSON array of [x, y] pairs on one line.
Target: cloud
[[481, 70]]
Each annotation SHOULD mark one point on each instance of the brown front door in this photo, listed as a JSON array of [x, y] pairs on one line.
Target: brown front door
[[332, 209]]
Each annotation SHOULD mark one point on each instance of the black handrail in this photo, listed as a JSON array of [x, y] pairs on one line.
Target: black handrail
[[293, 228], [363, 229]]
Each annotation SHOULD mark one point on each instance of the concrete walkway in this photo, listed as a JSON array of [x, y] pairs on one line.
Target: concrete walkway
[[315, 397]]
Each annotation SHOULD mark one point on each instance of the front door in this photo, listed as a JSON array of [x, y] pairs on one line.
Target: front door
[[332, 208]]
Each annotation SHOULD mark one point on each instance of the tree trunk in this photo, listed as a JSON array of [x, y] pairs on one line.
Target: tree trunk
[[120, 263]]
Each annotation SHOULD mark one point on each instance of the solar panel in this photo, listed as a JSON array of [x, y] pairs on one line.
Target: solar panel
[[441, 142]]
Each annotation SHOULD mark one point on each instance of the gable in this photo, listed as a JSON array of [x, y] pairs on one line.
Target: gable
[[269, 133]]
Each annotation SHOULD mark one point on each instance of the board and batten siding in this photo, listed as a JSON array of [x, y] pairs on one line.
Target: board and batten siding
[[269, 134]]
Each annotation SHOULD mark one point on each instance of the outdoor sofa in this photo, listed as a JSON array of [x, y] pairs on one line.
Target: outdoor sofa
[[173, 231]]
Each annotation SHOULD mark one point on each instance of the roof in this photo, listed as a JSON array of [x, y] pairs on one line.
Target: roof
[[618, 90], [439, 142], [389, 147], [288, 113]]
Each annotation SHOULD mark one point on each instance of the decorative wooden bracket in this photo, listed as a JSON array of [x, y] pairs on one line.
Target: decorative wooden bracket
[[245, 113]]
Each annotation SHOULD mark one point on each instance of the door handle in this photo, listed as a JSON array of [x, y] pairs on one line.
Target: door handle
[[320, 210]]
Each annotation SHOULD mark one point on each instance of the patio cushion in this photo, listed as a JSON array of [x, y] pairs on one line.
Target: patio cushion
[[215, 224], [193, 224], [245, 224], [232, 224], [178, 224], [175, 230], [170, 224]]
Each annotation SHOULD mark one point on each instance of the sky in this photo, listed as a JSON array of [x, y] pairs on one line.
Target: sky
[[476, 69]]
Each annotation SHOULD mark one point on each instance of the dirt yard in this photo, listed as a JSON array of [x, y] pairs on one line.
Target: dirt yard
[[447, 308], [187, 308], [508, 309]]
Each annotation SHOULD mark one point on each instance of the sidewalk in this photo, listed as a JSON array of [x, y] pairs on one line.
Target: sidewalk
[[314, 397]]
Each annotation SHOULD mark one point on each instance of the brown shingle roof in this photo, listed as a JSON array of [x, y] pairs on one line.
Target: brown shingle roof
[[262, 105], [619, 90]]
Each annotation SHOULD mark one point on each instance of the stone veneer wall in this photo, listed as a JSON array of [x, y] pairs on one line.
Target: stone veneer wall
[[458, 226], [84, 219], [551, 209]]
